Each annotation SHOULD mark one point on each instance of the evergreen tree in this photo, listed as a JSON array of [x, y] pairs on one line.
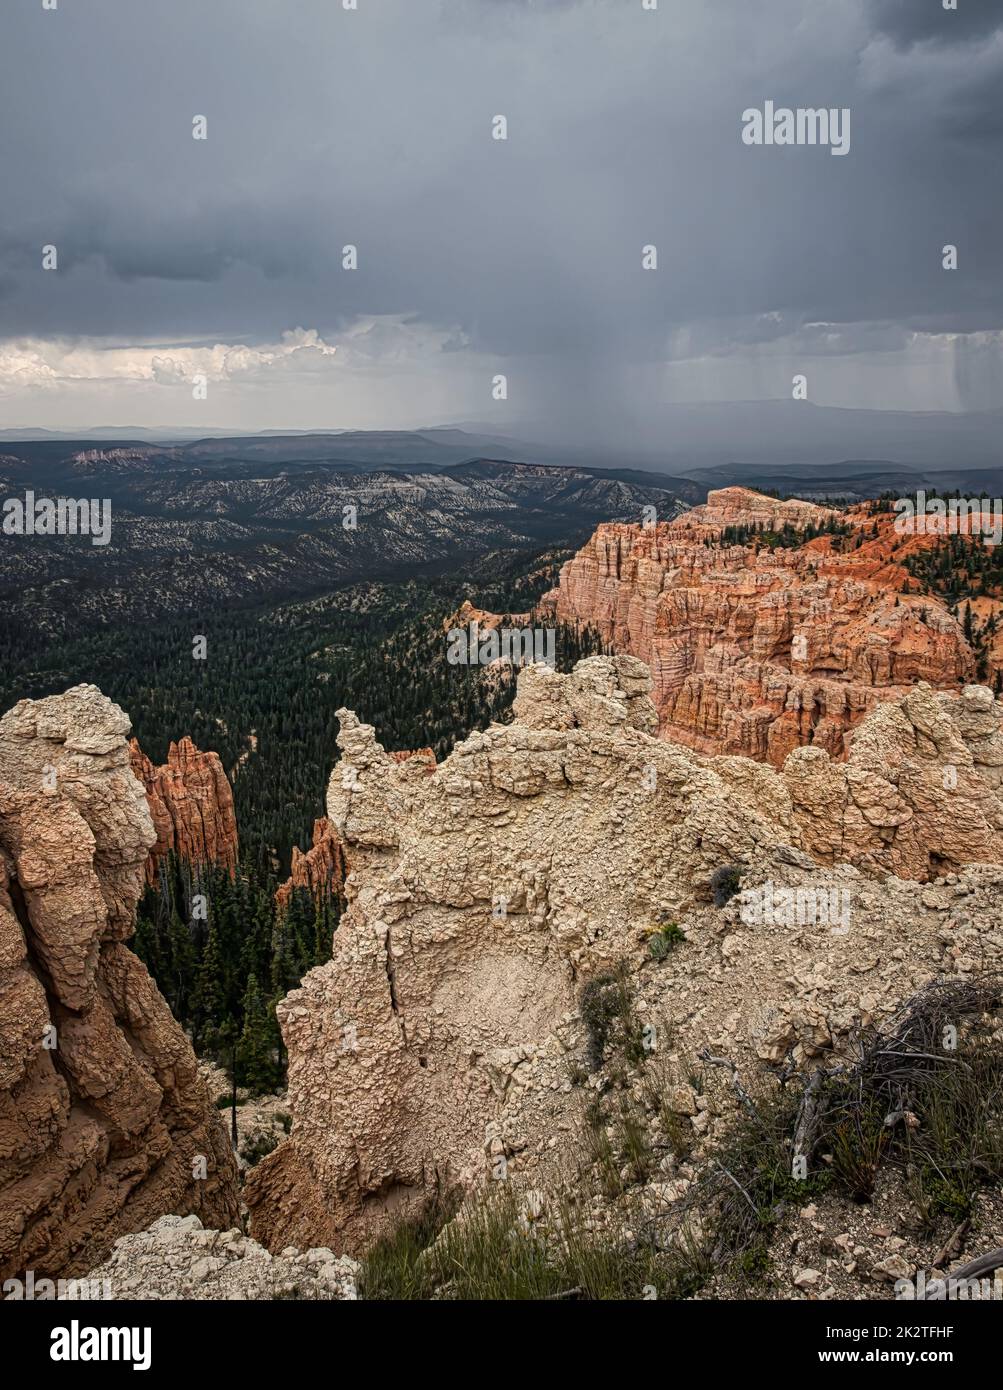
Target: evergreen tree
[[257, 1054], [210, 1016]]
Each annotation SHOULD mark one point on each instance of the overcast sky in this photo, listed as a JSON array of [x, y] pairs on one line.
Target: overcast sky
[[479, 256]]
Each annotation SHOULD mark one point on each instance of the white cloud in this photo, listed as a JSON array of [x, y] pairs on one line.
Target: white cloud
[[28, 362], [375, 340]]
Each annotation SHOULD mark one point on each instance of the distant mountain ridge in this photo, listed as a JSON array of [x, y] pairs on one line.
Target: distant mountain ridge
[[852, 480], [670, 437], [191, 529]]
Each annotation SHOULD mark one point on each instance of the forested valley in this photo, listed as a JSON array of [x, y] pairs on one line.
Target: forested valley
[[266, 693]]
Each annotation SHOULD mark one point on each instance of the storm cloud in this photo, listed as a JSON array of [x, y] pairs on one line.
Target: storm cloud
[[914, 21], [372, 127]]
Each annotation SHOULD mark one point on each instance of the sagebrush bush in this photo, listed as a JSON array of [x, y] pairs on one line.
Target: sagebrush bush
[[606, 1007], [725, 883]]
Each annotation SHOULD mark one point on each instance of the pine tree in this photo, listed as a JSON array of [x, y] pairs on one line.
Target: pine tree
[[256, 1051], [210, 1016], [182, 969]]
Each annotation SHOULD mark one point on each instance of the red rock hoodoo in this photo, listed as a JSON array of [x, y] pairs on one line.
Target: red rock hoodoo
[[758, 650], [321, 869], [191, 804]]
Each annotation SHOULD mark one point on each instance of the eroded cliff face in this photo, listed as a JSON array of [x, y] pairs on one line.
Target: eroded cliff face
[[439, 1037], [103, 1119], [191, 803], [760, 653]]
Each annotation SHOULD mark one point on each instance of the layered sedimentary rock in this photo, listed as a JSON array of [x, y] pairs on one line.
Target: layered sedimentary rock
[[104, 1124], [758, 652], [743, 506], [439, 1037], [320, 870], [192, 807]]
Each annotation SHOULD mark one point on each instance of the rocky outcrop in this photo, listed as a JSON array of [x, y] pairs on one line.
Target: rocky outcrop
[[921, 792], [439, 1038], [192, 807], [320, 870], [743, 506], [760, 650], [484, 620], [104, 1125], [178, 1259]]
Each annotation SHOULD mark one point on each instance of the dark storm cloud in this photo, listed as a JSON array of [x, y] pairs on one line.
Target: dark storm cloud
[[926, 21], [372, 127], [977, 113]]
